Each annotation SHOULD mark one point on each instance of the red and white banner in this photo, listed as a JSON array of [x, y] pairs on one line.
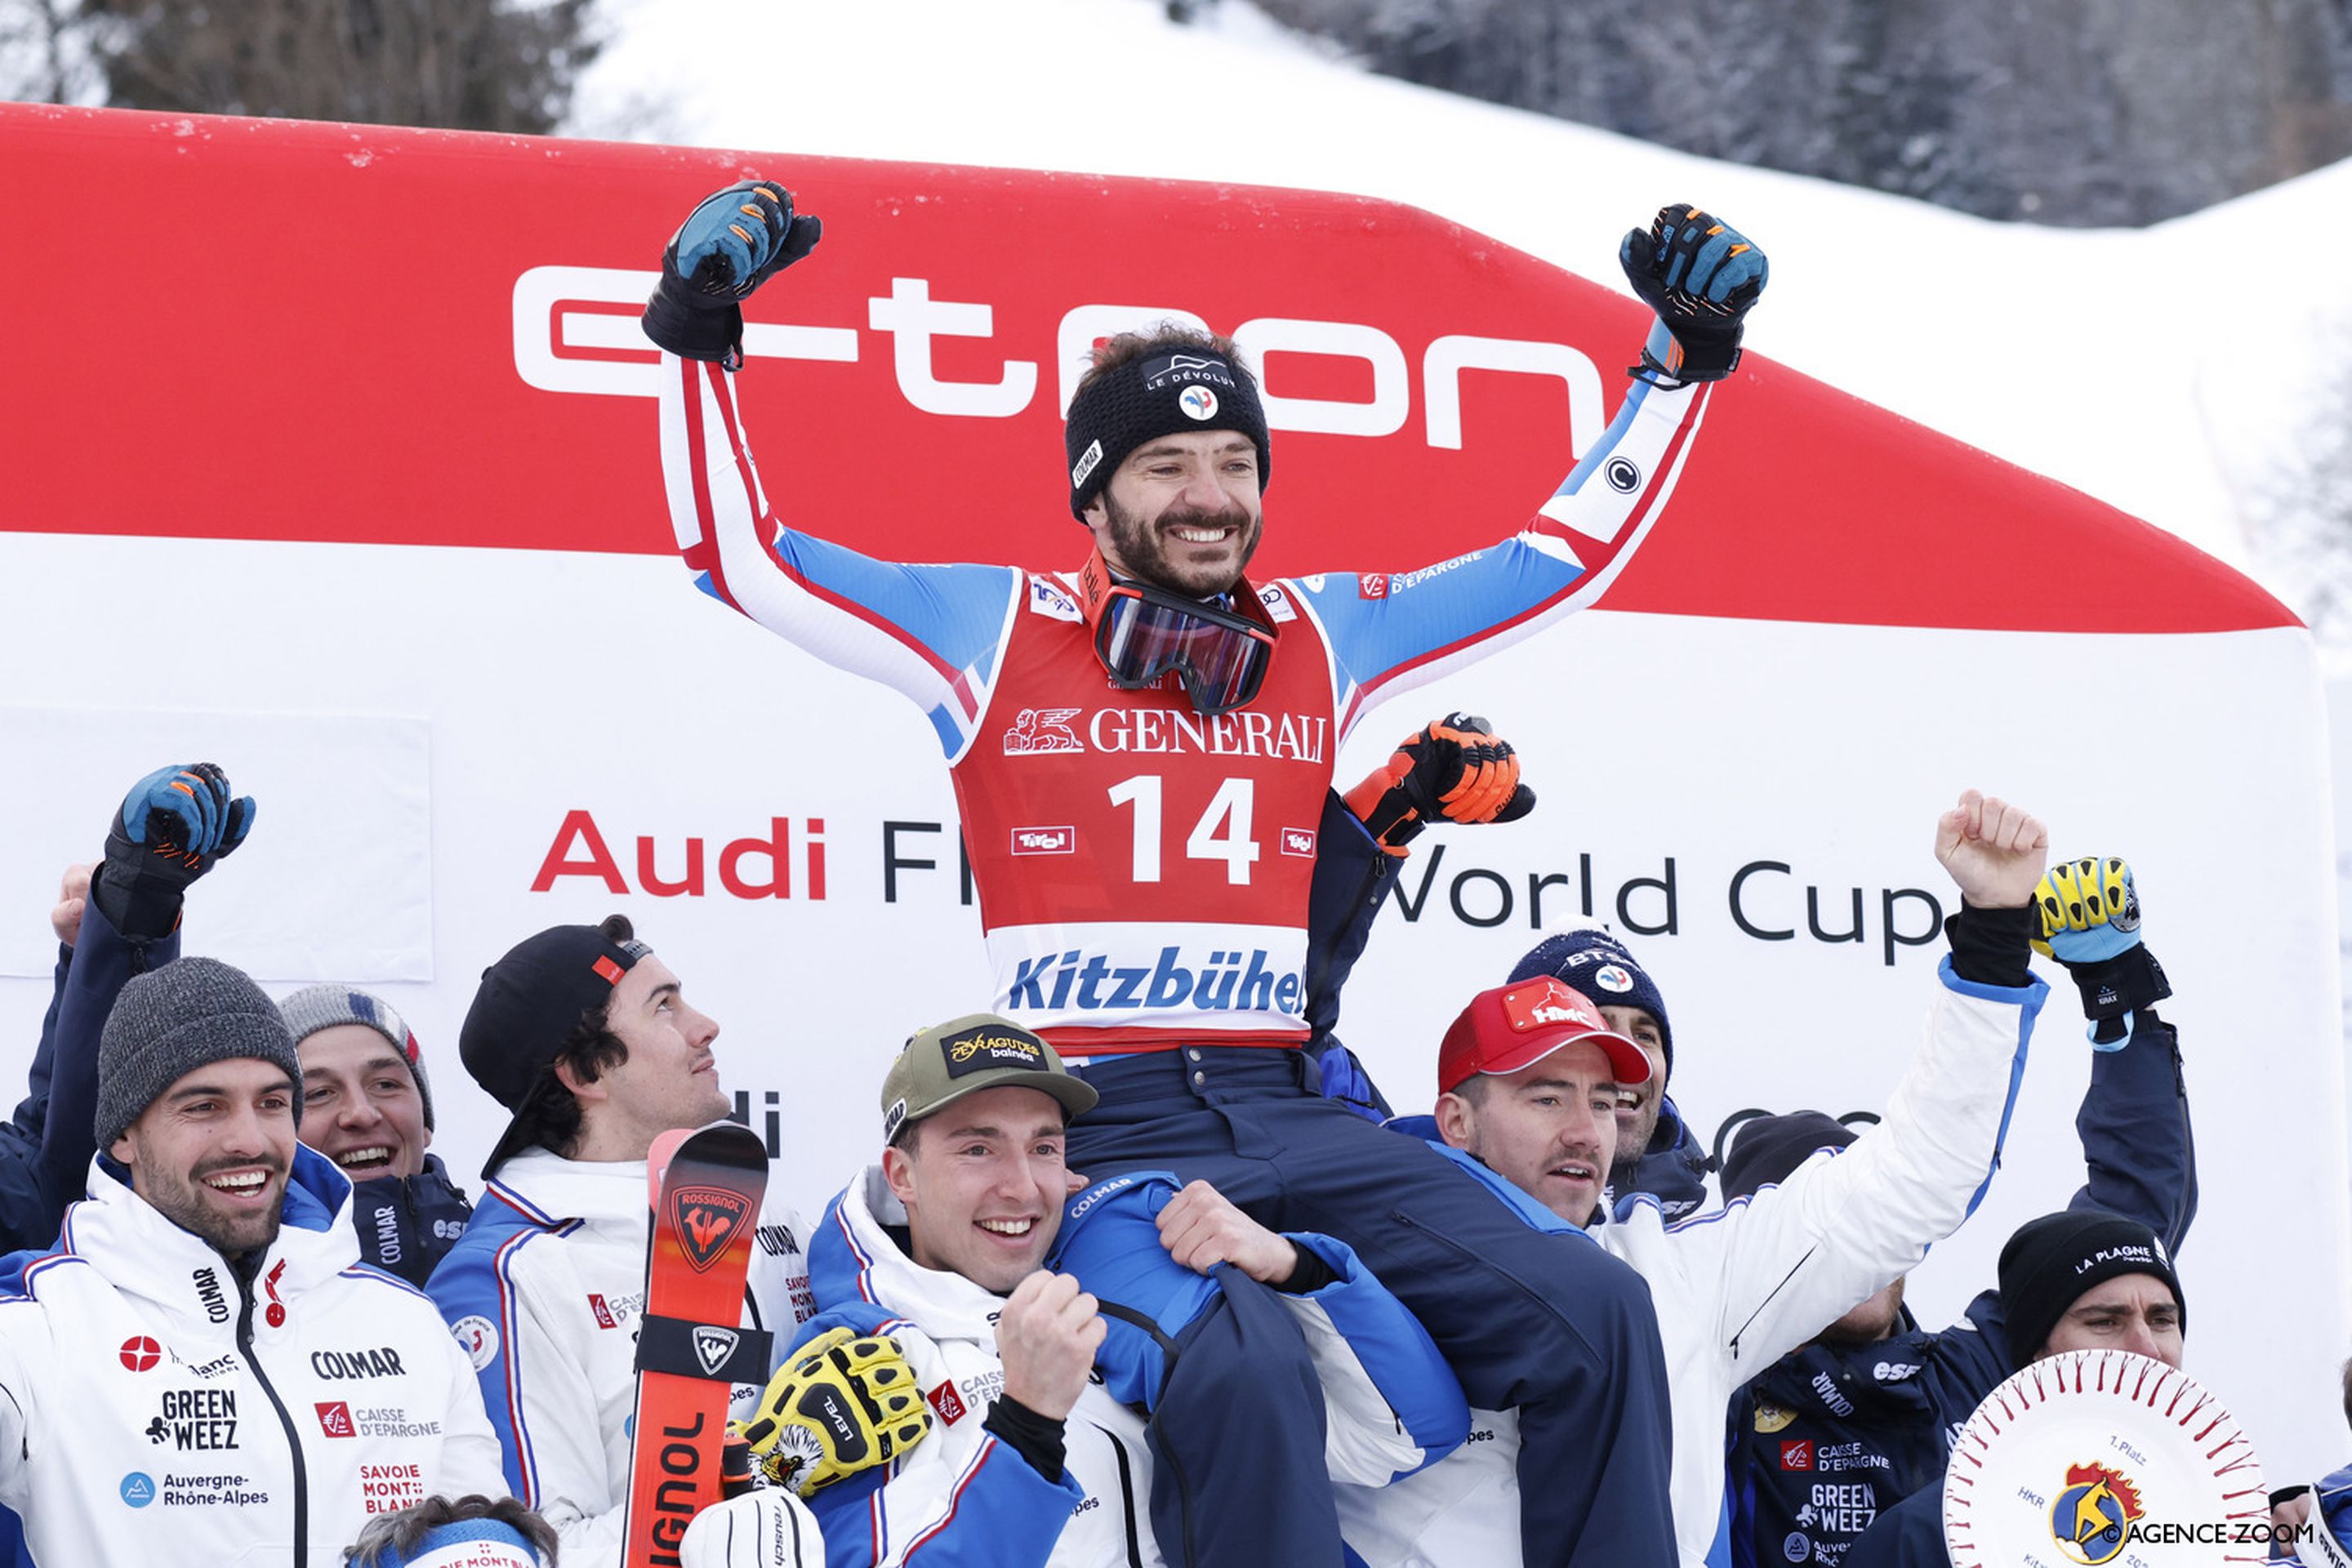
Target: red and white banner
[[330, 457]]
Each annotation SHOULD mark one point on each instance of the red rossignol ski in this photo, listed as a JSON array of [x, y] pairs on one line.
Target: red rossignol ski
[[707, 1184]]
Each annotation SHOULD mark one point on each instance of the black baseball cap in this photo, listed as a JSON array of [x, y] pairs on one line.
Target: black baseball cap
[[528, 1004]]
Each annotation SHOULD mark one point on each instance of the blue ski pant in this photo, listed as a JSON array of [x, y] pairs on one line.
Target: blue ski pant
[[1240, 1415], [1543, 1323]]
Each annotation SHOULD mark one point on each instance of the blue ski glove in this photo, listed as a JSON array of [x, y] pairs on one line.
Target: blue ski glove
[[1700, 275], [2090, 922], [173, 826], [733, 241]]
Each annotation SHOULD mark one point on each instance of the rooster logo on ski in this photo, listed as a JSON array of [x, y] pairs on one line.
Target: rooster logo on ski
[[706, 1219]]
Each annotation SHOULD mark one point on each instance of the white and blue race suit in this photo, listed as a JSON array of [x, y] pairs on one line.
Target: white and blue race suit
[[1142, 871]]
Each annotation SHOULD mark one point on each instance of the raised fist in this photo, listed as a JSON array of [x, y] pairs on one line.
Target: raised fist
[[170, 829], [1994, 850], [733, 241], [2089, 920], [2090, 909], [736, 239], [1047, 1337], [1701, 276]]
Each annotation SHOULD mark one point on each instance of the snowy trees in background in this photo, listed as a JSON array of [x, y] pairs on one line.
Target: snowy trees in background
[[2299, 511], [481, 65], [42, 56], [2103, 113]]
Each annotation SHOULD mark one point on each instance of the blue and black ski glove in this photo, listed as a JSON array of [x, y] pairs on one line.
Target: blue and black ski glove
[[2089, 920], [1700, 275], [173, 826], [733, 241]]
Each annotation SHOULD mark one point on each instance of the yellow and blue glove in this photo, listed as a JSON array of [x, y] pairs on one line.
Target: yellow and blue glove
[[2090, 922]]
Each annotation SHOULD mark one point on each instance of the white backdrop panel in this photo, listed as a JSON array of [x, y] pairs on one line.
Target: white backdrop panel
[[1672, 748], [349, 810]]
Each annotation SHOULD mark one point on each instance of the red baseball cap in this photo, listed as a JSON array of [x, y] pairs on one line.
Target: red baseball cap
[[1514, 1026]]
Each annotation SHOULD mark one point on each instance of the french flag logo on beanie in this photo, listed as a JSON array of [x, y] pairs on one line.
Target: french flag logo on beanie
[[1592, 961]]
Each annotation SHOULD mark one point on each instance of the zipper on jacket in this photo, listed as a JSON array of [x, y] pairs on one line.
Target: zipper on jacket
[[243, 1275], [1769, 1297], [1167, 1457], [1126, 1492]]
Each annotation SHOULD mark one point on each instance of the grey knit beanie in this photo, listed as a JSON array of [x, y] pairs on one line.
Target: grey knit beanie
[[170, 1021], [316, 1007]]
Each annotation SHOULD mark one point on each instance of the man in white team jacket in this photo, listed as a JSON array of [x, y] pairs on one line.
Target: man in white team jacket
[[1528, 1078], [199, 1369], [586, 1035]]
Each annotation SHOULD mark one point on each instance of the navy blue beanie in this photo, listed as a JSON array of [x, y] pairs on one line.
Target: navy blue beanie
[[1593, 962]]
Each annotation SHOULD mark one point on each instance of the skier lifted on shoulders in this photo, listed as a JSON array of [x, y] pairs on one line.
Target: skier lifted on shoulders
[[1165, 954], [1177, 914]]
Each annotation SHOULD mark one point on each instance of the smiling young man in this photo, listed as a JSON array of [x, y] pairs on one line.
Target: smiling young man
[[368, 1107], [1529, 1078], [199, 1371], [1170, 726], [588, 1039], [941, 1244], [973, 1245]]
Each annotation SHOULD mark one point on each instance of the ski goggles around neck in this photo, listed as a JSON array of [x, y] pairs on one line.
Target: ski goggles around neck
[[1144, 634]]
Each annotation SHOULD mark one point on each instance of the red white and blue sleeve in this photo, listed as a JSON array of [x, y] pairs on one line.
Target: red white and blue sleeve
[[934, 633], [1391, 631]]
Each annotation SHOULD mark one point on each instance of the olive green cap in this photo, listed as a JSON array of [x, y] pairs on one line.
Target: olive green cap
[[948, 1061]]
